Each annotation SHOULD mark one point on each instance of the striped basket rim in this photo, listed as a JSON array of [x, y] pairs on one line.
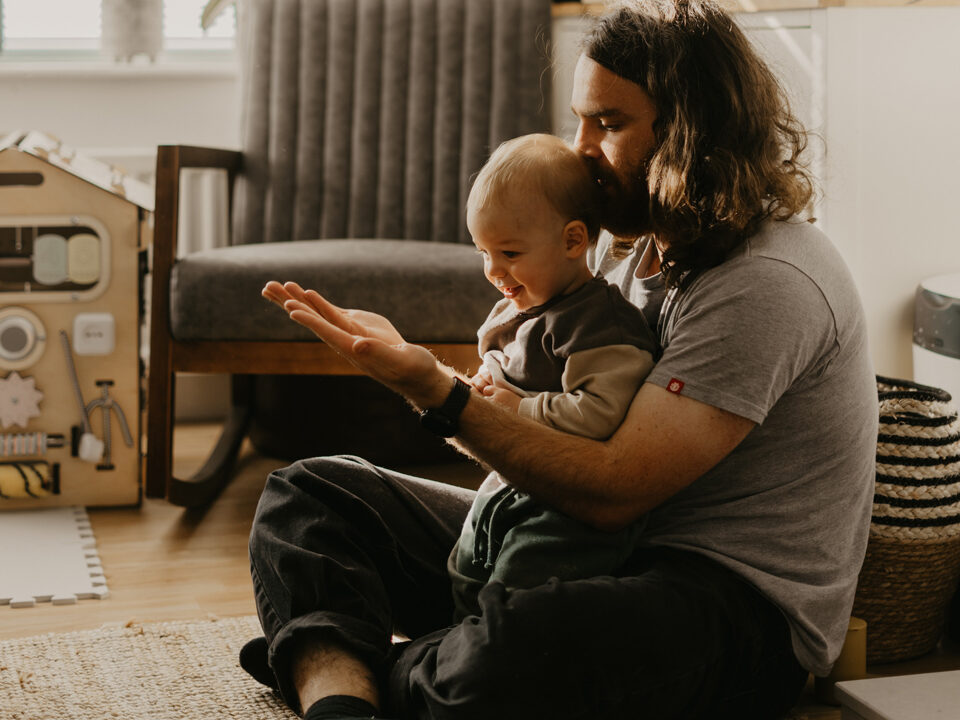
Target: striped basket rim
[[891, 387]]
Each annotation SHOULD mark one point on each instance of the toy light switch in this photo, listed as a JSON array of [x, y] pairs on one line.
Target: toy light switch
[[83, 258], [50, 259], [94, 334]]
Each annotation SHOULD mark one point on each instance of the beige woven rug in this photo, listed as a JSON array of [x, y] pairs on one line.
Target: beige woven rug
[[155, 671]]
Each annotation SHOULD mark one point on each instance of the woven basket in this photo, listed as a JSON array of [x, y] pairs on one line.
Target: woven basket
[[912, 563]]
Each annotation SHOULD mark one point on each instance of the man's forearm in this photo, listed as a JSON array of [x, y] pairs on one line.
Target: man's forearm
[[664, 444]]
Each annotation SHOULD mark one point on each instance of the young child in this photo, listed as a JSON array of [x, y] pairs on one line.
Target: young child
[[563, 347]]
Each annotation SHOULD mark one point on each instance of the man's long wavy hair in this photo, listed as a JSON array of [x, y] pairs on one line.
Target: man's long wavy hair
[[728, 152]]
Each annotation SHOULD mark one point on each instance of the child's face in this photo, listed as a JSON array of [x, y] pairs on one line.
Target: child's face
[[525, 254]]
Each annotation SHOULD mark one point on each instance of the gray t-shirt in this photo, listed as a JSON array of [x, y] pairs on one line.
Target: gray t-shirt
[[775, 334]]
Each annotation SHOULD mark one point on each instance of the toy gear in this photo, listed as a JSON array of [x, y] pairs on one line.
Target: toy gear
[[19, 400]]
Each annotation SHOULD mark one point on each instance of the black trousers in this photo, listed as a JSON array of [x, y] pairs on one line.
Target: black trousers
[[348, 553]]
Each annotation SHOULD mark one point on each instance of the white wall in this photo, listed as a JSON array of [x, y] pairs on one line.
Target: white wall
[[893, 174], [123, 110]]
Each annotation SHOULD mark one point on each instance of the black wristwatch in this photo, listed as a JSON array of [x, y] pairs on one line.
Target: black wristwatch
[[445, 420]]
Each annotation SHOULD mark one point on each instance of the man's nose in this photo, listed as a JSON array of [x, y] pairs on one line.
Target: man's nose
[[584, 142]]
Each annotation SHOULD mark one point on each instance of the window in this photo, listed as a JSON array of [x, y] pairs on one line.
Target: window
[[58, 28]]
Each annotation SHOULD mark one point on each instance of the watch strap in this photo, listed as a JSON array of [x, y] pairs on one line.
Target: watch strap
[[445, 420]]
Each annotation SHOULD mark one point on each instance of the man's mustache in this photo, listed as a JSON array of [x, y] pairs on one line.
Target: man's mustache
[[605, 177], [602, 175]]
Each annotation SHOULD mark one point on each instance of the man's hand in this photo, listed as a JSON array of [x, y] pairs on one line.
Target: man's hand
[[355, 322], [368, 341]]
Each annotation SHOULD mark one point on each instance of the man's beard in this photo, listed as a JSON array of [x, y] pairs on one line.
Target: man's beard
[[626, 207]]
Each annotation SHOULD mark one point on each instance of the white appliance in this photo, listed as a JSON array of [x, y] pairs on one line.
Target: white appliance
[[936, 334]]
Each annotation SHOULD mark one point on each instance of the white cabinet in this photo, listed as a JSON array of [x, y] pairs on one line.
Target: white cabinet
[[793, 44], [567, 32]]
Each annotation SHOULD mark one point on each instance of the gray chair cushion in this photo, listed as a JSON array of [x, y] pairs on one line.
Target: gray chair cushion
[[431, 291]]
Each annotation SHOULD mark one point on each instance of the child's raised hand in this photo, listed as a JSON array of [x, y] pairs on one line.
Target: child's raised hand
[[481, 380]]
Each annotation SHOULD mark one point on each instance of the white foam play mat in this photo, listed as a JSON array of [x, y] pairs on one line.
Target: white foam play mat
[[54, 557]]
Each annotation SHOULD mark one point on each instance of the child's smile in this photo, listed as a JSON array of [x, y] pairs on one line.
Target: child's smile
[[510, 292], [525, 252]]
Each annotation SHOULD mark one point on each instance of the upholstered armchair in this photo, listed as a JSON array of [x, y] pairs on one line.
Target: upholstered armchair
[[363, 123]]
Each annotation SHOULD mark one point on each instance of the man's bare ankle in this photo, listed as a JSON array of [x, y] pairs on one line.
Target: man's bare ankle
[[322, 669]]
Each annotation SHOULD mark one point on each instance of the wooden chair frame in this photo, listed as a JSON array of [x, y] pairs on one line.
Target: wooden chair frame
[[243, 360]]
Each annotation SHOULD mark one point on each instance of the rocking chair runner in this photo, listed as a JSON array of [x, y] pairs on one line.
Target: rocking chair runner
[[364, 121]]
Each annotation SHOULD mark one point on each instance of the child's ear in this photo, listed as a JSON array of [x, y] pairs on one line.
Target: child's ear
[[576, 238]]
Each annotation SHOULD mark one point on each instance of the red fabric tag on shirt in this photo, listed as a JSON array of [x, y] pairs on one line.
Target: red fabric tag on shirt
[[675, 386]]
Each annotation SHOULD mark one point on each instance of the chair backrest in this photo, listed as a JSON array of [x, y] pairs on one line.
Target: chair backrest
[[368, 118]]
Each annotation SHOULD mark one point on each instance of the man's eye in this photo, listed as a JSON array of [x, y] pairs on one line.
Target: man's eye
[[609, 127], [510, 254]]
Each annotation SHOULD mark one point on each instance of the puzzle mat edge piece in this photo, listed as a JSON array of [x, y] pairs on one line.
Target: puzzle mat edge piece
[[56, 562]]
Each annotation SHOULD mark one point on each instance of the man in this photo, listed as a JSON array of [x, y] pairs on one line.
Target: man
[[750, 446]]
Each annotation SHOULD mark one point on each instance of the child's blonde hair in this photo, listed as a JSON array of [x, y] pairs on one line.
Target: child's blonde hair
[[543, 164]]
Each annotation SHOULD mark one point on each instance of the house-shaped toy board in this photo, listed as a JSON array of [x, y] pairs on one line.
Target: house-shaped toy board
[[73, 233]]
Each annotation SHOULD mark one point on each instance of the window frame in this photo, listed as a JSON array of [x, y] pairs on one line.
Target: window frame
[[88, 50]]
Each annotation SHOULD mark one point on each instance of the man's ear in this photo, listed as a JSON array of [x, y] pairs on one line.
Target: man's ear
[[576, 238]]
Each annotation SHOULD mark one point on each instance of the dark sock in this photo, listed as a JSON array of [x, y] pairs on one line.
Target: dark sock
[[340, 707], [253, 659]]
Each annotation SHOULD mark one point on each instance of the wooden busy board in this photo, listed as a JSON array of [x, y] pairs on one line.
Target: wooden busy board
[[70, 262]]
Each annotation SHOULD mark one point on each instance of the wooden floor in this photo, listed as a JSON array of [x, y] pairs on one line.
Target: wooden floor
[[167, 563], [163, 562]]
